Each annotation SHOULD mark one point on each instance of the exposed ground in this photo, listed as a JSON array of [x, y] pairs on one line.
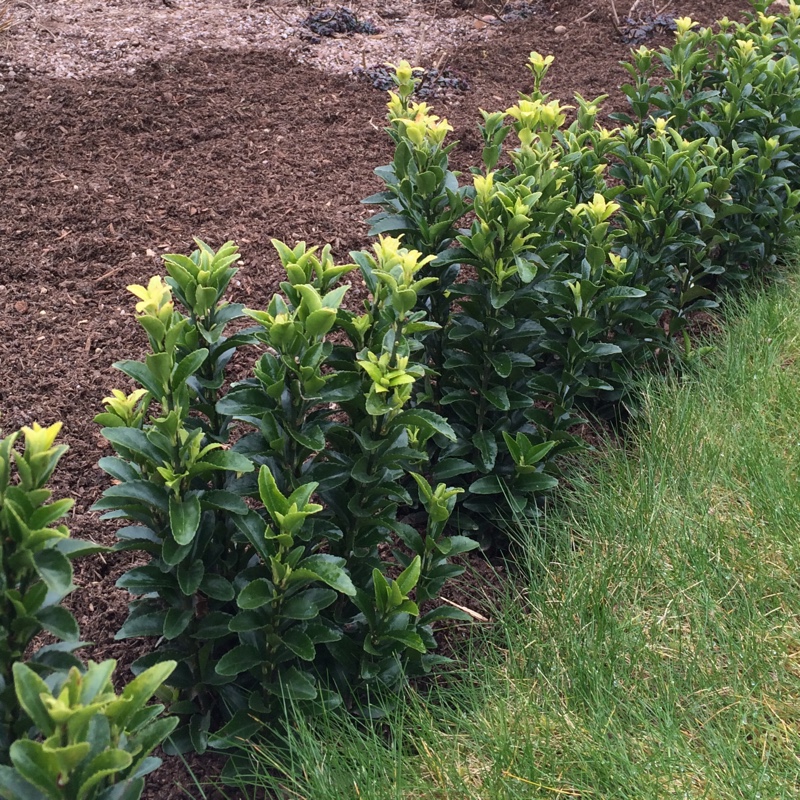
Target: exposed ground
[[129, 126]]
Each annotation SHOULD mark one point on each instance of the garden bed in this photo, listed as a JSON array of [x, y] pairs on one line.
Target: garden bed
[[221, 121]]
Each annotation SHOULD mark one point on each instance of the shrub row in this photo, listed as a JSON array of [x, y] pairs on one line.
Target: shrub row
[[299, 524], [588, 249]]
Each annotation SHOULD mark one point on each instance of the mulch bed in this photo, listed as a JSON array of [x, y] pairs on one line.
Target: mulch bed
[[101, 176]]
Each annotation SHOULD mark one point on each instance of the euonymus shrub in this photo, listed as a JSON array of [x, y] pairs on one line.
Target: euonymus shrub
[[64, 733], [35, 569], [94, 744], [282, 568], [292, 525], [738, 88], [589, 249]]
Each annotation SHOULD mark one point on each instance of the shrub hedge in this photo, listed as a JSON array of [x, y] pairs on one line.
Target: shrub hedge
[[299, 524]]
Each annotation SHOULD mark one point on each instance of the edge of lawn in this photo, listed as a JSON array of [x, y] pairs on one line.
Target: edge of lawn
[[651, 647]]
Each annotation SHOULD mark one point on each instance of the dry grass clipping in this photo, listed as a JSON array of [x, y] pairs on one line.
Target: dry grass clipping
[[6, 19]]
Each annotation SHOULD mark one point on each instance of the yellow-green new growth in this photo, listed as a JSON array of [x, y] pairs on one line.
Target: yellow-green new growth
[[766, 23], [537, 119], [484, 188], [539, 65], [303, 265], [618, 270], [404, 78], [384, 376], [599, 210], [426, 129], [39, 440], [397, 266], [77, 758], [36, 463], [414, 121], [127, 408], [399, 109], [190, 444], [311, 320], [155, 299], [156, 312], [683, 25]]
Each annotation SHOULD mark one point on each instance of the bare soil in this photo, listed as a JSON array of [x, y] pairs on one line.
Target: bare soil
[[129, 126]]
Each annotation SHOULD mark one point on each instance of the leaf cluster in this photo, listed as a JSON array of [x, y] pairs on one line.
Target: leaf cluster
[[35, 568], [94, 744], [64, 733], [269, 579], [590, 250]]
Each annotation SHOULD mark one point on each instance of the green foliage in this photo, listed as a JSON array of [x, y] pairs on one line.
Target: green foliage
[[422, 201], [94, 743], [576, 283], [279, 599], [173, 477], [284, 569], [335, 414], [739, 88], [675, 201], [642, 650], [35, 569]]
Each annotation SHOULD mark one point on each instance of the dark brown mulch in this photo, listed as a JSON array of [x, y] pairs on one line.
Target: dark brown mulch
[[102, 176]]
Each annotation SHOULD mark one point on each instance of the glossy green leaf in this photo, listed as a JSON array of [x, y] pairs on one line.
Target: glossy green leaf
[[307, 604], [36, 767], [14, 787], [536, 482], [408, 578], [142, 375], [151, 624], [217, 587], [29, 688], [240, 659], [488, 485], [188, 366], [220, 500], [190, 575], [134, 493], [214, 625], [256, 594], [295, 685], [427, 421], [142, 580], [184, 518], [103, 766], [176, 622], [299, 643], [56, 571], [59, 622], [141, 689], [487, 446], [241, 727], [229, 460], [136, 442], [409, 639], [498, 397], [451, 467], [328, 569]]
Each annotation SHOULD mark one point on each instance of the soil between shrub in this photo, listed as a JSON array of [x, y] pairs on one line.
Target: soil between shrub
[[101, 176]]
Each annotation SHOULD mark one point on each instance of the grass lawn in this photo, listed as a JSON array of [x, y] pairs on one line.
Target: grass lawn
[[651, 648]]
